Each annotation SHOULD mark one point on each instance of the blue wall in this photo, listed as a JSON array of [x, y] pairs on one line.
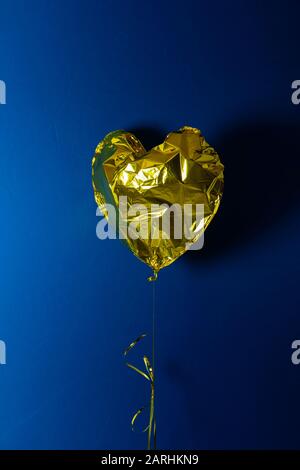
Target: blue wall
[[70, 303]]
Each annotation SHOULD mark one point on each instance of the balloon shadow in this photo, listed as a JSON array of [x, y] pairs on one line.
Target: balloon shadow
[[150, 136], [261, 186]]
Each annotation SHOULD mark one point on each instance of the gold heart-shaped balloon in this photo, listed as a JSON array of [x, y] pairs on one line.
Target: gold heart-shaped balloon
[[184, 170]]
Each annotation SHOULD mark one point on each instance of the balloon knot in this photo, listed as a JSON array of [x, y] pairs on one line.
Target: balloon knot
[[154, 277]]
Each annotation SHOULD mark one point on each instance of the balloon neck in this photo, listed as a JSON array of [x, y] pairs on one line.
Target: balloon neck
[[154, 277]]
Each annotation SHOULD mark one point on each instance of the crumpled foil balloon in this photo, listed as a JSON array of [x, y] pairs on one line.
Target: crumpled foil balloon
[[184, 169]]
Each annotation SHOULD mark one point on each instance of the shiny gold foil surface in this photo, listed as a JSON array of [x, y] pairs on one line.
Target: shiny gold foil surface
[[184, 169]]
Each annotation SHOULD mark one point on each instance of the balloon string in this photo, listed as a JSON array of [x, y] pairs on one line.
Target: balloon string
[[149, 374], [153, 357], [153, 327], [152, 419]]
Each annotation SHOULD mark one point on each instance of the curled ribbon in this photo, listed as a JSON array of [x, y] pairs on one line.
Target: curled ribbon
[[148, 375]]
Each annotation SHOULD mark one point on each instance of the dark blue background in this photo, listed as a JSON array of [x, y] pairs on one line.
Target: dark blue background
[[70, 303]]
